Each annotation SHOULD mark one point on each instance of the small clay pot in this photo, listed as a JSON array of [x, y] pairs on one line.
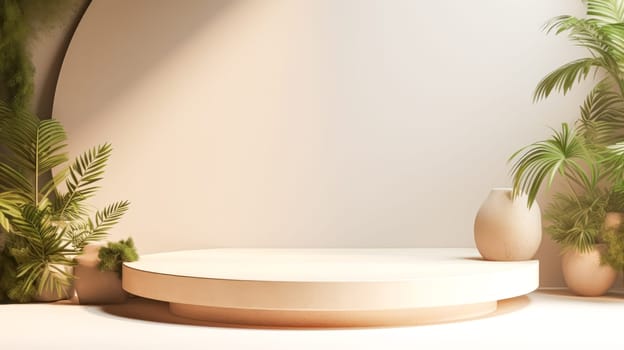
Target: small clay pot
[[94, 286], [584, 274]]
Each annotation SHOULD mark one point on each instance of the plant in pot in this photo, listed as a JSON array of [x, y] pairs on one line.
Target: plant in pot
[[42, 225], [587, 157], [98, 272]]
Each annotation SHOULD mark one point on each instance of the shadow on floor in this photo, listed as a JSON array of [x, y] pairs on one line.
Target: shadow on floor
[[611, 297], [156, 311]]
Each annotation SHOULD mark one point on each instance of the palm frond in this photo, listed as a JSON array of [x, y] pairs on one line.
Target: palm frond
[[563, 78], [83, 233], [615, 201], [40, 250], [563, 154], [84, 173], [41, 234], [605, 41], [109, 217], [51, 140], [9, 208], [606, 11], [613, 162], [50, 188], [13, 180], [602, 115], [584, 32], [35, 147], [5, 110], [19, 135], [613, 36]]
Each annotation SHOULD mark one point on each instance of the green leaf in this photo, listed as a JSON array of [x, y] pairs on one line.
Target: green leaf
[[606, 11], [83, 233], [34, 147], [564, 154], [603, 39], [9, 207], [84, 173], [563, 78], [576, 221], [602, 115]]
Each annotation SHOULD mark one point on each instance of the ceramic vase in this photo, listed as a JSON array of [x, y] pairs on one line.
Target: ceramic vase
[[505, 229], [583, 273], [94, 286]]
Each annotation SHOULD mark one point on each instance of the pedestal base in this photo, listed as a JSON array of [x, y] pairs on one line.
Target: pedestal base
[[333, 319]]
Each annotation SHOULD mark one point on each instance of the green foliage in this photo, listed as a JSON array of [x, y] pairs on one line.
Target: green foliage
[[44, 227], [8, 208], [115, 253], [577, 221], [33, 148], [602, 117], [614, 255], [38, 246], [20, 21], [82, 233], [84, 173], [8, 279], [564, 154], [589, 155]]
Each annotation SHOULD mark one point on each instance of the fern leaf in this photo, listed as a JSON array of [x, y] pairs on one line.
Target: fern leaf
[[9, 207], [86, 170], [83, 233], [51, 140], [109, 216], [34, 148], [11, 179]]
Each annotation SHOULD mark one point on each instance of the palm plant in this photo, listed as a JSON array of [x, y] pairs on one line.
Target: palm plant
[[44, 227], [589, 155]]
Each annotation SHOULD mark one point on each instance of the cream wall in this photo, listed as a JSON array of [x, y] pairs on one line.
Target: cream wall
[[48, 50], [293, 123]]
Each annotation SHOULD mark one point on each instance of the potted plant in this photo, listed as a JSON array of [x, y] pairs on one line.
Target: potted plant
[[43, 226], [98, 272], [587, 157]]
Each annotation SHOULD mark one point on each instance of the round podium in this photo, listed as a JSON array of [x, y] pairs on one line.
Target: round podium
[[329, 287]]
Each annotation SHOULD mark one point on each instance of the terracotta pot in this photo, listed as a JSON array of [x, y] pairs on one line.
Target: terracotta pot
[[584, 274], [613, 220], [505, 229], [94, 286]]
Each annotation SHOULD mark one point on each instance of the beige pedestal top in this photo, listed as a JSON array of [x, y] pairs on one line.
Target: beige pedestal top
[[328, 286]]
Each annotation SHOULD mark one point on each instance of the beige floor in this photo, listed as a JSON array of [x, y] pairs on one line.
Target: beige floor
[[544, 319]]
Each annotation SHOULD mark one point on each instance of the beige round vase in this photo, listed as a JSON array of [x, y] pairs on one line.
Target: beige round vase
[[505, 229], [583, 273]]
